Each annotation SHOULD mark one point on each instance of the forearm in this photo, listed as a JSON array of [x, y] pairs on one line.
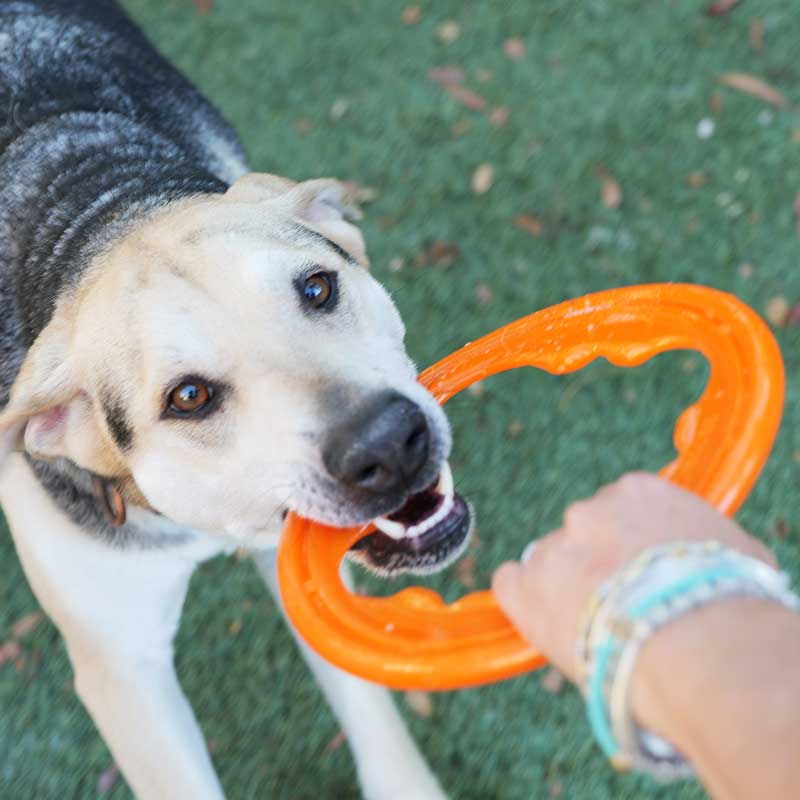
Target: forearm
[[723, 685]]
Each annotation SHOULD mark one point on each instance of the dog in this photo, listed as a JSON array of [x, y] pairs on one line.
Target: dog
[[189, 350]]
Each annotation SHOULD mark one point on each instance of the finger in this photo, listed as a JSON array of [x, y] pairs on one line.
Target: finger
[[508, 588]]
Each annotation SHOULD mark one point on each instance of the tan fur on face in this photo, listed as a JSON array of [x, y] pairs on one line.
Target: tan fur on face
[[207, 288]]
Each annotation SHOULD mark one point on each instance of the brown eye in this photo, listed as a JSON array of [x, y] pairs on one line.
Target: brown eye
[[189, 396], [319, 290]]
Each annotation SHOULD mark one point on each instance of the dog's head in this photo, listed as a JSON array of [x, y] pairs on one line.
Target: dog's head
[[233, 356]]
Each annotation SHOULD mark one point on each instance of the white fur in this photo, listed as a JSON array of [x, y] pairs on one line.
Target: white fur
[[205, 288], [118, 611], [208, 288]]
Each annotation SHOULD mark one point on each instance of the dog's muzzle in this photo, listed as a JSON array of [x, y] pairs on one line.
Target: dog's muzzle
[[425, 535]]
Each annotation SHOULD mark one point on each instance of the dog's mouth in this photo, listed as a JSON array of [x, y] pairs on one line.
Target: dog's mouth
[[425, 535]]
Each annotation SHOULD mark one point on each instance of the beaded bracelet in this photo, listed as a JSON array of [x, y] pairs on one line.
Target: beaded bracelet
[[658, 586]]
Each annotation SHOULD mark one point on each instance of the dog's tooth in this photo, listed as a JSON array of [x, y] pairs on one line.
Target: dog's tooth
[[433, 519], [445, 485], [394, 530]]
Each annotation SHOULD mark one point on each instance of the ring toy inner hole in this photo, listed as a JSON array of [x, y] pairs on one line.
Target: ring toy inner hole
[[413, 640]]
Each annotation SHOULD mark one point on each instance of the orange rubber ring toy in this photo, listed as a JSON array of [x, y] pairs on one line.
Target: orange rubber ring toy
[[413, 640]]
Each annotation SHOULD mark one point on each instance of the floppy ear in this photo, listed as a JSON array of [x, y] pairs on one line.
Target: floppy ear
[[327, 205], [48, 415]]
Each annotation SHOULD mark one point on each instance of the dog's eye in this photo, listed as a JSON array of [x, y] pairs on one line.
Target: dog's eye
[[319, 290], [189, 397]]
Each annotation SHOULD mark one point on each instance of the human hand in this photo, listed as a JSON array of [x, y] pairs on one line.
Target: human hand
[[546, 596]]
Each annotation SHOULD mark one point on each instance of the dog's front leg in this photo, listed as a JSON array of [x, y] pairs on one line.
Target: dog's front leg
[[388, 762], [118, 610]]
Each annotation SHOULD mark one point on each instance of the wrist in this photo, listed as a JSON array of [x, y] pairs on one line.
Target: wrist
[[705, 662], [690, 683]]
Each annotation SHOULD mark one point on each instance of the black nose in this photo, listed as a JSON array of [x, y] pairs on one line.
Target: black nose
[[381, 448]]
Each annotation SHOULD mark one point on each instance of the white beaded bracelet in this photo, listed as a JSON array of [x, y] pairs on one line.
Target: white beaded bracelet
[[658, 586]]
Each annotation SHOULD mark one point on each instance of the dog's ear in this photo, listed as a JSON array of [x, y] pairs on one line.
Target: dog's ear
[[48, 414], [324, 204]]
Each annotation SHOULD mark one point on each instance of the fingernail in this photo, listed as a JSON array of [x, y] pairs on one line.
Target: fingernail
[[526, 553]]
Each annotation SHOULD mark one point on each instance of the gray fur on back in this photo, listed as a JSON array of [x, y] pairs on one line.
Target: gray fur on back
[[96, 129]]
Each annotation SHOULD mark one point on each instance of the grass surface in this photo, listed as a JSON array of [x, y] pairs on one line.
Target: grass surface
[[618, 83]]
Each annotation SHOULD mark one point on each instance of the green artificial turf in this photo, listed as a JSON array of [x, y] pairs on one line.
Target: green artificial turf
[[341, 88]]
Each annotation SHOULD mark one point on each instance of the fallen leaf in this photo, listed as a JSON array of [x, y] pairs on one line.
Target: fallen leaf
[[421, 703], [529, 224], [482, 178], [439, 253], [534, 146], [782, 528], [777, 311], [696, 179], [796, 136], [689, 364], [751, 85], [204, 6], [746, 270], [721, 7], [520, 266], [465, 96], [514, 48], [444, 253], [484, 294], [465, 572], [515, 428], [499, 116], [724, 199], [302, 126], [336, 742], [477, 389], [717, 102], [460, 127], [26, 624], [446, 75], [235, 627], [412, 15], [611, 191], [612, 194], [757, 34], [9, 651], [107, 779], [339, 108], [705, 128], [448, 31], [553, 681], [793, 317]]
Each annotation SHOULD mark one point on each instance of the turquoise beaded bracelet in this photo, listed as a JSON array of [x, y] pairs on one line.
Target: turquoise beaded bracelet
[[657, 587]]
